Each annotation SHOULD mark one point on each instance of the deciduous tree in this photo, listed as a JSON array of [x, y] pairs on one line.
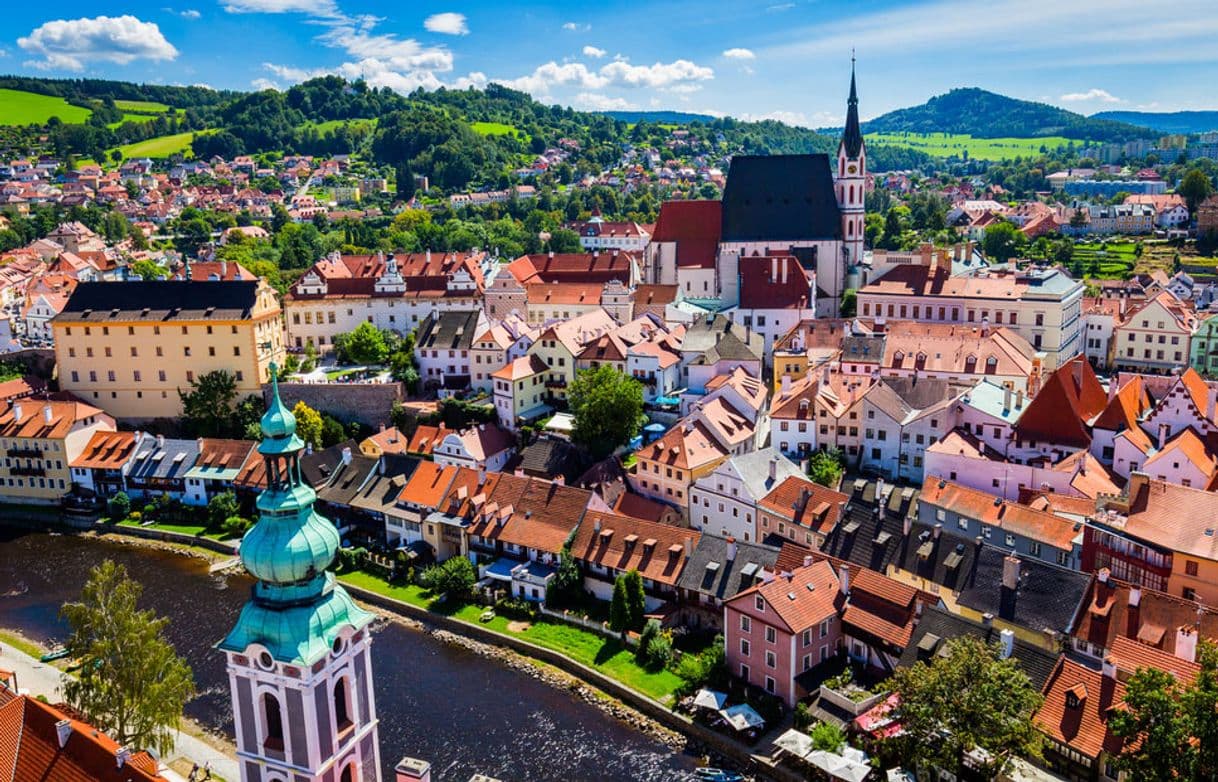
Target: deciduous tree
[[308, 424], [208, 406], [130, 683], [608, 408]]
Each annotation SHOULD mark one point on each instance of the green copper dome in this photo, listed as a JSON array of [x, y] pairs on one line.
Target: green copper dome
[[291, 549], [277, 423], [300, 633]]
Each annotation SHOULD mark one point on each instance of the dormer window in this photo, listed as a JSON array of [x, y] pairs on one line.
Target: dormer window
[[1076, 696]]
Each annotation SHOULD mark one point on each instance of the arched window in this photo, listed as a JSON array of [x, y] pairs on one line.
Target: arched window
[[342, 706], [851, 191], [272, 720], [348, 773]]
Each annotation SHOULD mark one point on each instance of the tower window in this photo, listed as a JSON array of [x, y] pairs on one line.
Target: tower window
[[273, 721], [348, 773], [342, 706]]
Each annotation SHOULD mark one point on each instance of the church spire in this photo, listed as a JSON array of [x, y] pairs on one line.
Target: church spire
[[852, 136]]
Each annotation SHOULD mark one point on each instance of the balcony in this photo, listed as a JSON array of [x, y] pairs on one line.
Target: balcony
[[24, 453], [27, 472]]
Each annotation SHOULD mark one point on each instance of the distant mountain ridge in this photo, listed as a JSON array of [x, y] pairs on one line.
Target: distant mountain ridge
[[1166, 121], [665, 117], [985, 114]]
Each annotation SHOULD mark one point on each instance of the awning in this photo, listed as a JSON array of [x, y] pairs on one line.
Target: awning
[[839, 767], [742, 717], [710, 699], [795, 742]]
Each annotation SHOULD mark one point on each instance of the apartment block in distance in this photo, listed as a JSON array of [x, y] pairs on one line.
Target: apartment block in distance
[[128, 347]]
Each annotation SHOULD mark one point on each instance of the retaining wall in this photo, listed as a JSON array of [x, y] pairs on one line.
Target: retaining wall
[[165, 536], [367, 403]]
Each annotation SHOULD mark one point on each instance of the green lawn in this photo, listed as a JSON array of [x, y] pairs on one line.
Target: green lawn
[[604, 654], [28, 108], [498, 129], [143, 106], [21, 644], [161, 146], [194, 530], [322, 127], [949, 144]]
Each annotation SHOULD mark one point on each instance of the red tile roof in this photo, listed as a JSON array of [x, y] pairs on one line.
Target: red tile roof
[[106, 451], [805, 503], [1067, 402], [802, 598], [1084, 726], [657, 551], [695, 226], [774, 282]]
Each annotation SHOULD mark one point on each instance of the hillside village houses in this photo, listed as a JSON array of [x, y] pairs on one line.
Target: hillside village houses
[[1022, 458]]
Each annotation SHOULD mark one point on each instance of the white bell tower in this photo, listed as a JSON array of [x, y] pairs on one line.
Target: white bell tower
[[851, 176]]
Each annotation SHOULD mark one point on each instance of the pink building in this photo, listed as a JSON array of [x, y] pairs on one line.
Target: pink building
[[784, 626]]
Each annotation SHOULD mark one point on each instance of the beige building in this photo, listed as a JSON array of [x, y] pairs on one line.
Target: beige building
[[128, 347], [40, 439]]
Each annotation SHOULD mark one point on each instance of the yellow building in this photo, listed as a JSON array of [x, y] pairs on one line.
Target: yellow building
[[128, 347], [520, 393], [559, 344], [40, 439]]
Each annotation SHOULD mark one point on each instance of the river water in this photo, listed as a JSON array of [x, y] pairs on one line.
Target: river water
[[464, 713]]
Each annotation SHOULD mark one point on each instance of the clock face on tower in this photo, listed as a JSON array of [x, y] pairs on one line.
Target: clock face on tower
[[852, 169]]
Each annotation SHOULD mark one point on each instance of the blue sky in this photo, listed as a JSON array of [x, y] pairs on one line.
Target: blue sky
[[787, 59]]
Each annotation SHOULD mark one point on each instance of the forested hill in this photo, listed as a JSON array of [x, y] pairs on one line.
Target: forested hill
[[459, 139], [985, 114], [1166, 122]]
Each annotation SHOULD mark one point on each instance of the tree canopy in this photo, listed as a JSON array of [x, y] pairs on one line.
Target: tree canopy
[[130, 683], [208, 406], [608, 409], [972, 697]]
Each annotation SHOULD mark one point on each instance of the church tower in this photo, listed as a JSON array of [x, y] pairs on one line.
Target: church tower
[[851, 178], [299, 660]]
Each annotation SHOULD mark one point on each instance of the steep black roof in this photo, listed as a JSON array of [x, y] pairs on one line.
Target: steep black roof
[[852, 136], [725, 579], [780, 198], [449, 330], [155, 300], [938, 626]]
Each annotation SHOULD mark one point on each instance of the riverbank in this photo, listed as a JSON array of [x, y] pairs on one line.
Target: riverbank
[[193, 744]]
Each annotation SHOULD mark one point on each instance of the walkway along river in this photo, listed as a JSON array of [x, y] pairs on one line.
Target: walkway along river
[[463, 712]]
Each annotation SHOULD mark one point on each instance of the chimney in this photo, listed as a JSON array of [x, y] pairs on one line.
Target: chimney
[[1135, 596], [1186, 643], [785, 265], [1110, 670], [121, 756], [987, 619], [47, 414], [786, 386], [938, 528], [824, 378], [412, 770], [1007, 642], [1006, 398], [1101, 575], [1112, 388], [843, 576], [773, 270], [17, 413], [63, 732], [730, 556], [346, 456], [808, 560], [1010, 572], [1163, 430], [160, 442], [1210, 404], [1019, 399], [596, 525], [689, 545], [773, 470], [985, 327]]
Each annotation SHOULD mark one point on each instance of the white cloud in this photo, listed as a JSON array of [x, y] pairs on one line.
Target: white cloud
[[474, 79], [576, 27], [448, 23], [322, 8], [818, 119], [615, 74], [683, 89], [596, 102], [779, 7], [264, 84], [1093, 94], [68, 44], [190, 14], [592, 51], [3, 52], [739, 54]]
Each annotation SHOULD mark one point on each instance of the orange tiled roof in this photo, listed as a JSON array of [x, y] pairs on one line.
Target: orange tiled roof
[[428, 485], [33, 420], [1082, 727], [1010, 516], [1060, 412], [106, 451], [801, 598], [657, 551], [805, 503]]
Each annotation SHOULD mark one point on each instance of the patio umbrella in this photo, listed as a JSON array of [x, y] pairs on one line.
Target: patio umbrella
[[795, 742], [709, 699], [838, 767], [742, 717]]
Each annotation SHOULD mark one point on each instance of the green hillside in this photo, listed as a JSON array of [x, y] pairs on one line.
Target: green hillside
[[27, 108], [983, 114], [957, 144], [161, 146]]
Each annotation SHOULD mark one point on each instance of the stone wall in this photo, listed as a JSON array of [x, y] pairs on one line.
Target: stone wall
[[367, 403]]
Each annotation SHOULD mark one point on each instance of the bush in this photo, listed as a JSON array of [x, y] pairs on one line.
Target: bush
[[659, 653], [650, 631], [135, 515], [803, 716], [516, 608], [119, 506], [708, 669], [454, 577], [235, 525], [827, 737], [351, 558], [221, 509]]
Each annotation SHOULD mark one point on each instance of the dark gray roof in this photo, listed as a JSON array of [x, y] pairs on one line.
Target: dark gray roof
[[157, 300], [448, 330], [550, 457], [1035, 661], [169, 461], [780, 198], [852, 135], [344, 484], [318, 466], [1047, 597], [727, 579], [717, 337], [381, 490], [862, 537]]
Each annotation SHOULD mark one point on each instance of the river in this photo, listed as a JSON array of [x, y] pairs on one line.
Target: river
[[463, 712]]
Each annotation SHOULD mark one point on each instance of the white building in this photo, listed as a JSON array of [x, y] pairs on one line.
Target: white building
[[724, 502]]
